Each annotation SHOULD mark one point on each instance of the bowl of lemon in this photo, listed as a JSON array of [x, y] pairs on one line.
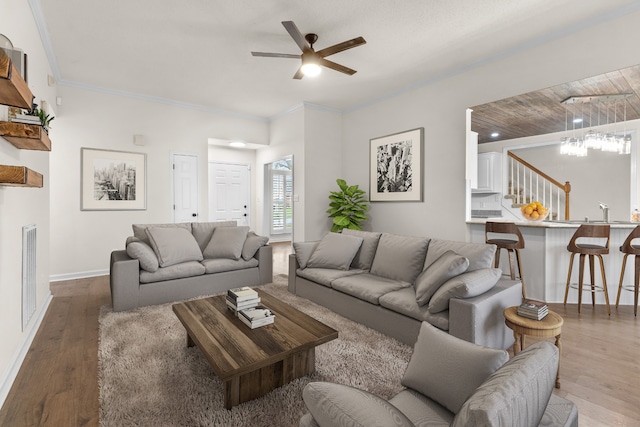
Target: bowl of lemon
[[534, 211]]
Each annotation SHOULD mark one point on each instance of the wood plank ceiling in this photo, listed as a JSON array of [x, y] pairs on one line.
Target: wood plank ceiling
[[542, 111]]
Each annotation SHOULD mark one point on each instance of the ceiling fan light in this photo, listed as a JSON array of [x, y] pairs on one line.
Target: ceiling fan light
[[311, 69]]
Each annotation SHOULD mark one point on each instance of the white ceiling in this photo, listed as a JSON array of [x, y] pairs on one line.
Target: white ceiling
[[197, 52]]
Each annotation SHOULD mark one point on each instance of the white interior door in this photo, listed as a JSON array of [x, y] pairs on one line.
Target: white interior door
[[229, 192], [185, 188]]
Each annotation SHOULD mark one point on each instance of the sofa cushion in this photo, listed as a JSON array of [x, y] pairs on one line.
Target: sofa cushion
[[399, 257], [364, 256], [515, 395], [303, 251], [140, 230], [173, 245], [448, 265], [467, 285], [202, 231], [252, 244], [480, 255], [226, 242], [448, 369], [325, 276], [340, 405], [177, 271], [144, 254], [219, 265], [403, 301], [367, 287], [335, 251], [422, 411]]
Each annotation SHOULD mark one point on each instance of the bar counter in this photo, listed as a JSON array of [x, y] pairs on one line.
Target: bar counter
[[545, 259]]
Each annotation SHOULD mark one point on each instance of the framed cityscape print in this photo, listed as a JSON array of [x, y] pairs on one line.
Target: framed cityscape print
[[113, 180], [395, 167]]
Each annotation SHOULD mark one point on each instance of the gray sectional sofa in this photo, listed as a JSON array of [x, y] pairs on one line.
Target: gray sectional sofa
[[393, 283], [450, 382], [170, 262]]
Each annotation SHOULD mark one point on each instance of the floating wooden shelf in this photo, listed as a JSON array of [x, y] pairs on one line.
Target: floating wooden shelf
[[19, 176], [24, 136], [13, 89]]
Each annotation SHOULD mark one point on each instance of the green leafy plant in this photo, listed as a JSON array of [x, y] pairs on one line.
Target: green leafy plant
[[45, 119], [347, 207]]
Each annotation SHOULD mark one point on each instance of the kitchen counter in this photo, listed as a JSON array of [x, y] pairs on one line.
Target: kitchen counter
[[545, 259]]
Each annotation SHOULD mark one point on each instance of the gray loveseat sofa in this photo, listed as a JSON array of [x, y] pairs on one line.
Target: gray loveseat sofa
[[170, 262], [450, 382], [393, 283]]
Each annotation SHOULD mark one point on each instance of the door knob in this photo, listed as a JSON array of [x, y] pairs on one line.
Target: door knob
[[194, 214], [245, 214]]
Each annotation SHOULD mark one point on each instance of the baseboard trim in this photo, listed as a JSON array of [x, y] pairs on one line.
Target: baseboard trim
[[79, 275], [18, 358]]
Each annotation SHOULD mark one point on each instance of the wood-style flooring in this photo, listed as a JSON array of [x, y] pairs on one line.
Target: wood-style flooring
[[58, 382]]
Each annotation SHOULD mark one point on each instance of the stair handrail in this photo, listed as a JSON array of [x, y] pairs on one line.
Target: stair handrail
[[566, 187]]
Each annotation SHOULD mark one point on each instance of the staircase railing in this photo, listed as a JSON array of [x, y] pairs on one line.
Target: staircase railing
[[528, 183]]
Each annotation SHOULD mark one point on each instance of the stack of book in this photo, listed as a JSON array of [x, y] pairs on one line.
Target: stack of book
[[27, 118], [533, 309], [256, 316], [241, 298]]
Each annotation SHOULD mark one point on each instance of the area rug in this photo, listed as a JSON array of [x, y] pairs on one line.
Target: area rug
[[149, 377]]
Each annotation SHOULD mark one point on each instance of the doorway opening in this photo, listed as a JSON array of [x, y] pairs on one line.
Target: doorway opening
[[279, 189]]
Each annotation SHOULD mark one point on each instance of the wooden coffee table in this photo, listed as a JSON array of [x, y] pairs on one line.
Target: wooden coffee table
[[253, 362], [550, 326]]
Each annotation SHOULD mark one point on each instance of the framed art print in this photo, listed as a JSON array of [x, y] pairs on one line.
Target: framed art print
[[395, 167], [113, 180]]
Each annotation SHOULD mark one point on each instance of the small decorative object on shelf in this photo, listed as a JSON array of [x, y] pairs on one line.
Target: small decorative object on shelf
[[533, 309], [534, 211], [256, 317]]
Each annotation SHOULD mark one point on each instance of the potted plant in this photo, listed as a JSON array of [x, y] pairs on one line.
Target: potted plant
[[45, 119], [347, 207]]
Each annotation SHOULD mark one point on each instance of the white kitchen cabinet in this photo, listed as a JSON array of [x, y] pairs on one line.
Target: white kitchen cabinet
[[489, 173]]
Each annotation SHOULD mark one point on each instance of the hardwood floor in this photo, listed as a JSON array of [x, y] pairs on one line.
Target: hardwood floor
[[58, 385]]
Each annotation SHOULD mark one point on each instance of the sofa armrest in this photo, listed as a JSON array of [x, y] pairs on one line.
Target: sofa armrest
[[265, 264], [480, 319], [293, 267], [124, 280]]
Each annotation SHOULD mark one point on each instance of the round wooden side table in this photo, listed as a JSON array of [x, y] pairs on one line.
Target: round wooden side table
[[550, 326]]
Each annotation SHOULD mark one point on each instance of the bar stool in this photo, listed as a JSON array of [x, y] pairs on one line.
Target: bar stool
[[512, 246], [629, 249], [592, 250]]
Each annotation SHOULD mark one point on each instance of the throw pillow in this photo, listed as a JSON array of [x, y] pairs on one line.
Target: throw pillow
[[173, 245], [517, 394], [364, 256], [467, 285], [303, 251], [449, 265], [480, 255], [140, 230], [340, 405], [144, 254], [335, 251], [203, 231], [252, 244], [400, 257], [226, 242], [447, 369]]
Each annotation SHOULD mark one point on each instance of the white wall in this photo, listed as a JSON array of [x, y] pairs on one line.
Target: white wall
[[439, 106], [22, 206], [81, 241]]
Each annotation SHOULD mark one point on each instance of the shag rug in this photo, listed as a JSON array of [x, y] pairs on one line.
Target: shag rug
[[149, 377]]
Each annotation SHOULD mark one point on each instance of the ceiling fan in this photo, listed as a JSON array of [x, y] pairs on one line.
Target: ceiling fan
[[312, 60]]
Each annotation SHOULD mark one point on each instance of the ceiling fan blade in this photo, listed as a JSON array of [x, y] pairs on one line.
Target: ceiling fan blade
[[337, 67], [295, 34], [358, 41], [275, 55], [299, 74]]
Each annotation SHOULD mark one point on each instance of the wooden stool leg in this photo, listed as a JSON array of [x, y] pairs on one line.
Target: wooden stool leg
[[624, 265], [580, 281], [636, 288], [604, 284], [566, 290], [592, 274], [511, 255], [496, 261], [559, 345], [524, 292]]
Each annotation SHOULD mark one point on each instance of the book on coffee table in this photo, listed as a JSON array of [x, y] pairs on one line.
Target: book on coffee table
[[255, 317], [244, 293]]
